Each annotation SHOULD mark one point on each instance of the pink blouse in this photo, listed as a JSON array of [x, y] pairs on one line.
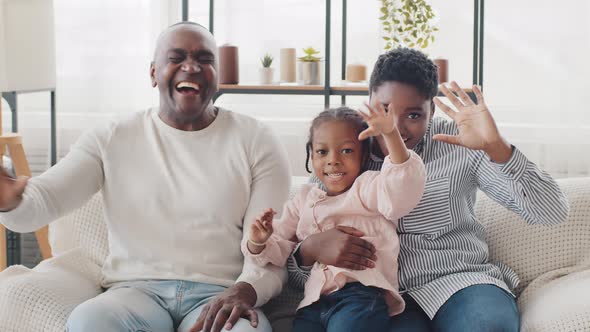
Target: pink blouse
[[372, 205]]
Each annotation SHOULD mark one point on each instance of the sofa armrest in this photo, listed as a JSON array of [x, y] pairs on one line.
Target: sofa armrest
[[41, 299], [557, 301]]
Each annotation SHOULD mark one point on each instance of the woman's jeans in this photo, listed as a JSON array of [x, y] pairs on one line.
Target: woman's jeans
[[479, 308]]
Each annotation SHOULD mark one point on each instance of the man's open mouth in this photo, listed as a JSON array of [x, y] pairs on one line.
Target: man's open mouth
[[188, 88]]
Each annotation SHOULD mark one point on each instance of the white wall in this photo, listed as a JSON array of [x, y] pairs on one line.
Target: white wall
[[535, 74]]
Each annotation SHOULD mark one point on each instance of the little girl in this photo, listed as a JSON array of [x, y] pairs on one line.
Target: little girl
[[338, 299]]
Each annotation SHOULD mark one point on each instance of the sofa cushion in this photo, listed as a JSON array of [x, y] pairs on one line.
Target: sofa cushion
[[83, 228], [41, 299], [533, 250]]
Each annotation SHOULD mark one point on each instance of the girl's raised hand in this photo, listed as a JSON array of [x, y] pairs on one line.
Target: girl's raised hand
[[379, 121]]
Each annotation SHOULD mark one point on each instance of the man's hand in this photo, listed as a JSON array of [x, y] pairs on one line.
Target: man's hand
[[341, 247], [11, 190], [224, 310]]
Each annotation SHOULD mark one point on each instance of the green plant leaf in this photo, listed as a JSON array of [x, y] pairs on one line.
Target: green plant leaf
[[409, 21]]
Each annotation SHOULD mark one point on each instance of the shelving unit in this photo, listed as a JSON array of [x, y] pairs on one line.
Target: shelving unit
[[13, 240], [327, 89]]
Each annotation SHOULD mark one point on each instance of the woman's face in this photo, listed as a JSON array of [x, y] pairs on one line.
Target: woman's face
[[411, 111]]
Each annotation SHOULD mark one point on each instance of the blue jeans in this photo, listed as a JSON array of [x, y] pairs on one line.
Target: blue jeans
[[151, 305], [355, 307], [479, 308]]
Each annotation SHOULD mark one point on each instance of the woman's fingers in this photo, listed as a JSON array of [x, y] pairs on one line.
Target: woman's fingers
[[478, 95], [464, 97], [446, 109], [450, 139], [350, 231], [451, 96]]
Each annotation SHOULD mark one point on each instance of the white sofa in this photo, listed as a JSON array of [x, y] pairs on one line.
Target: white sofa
[[552, 262]]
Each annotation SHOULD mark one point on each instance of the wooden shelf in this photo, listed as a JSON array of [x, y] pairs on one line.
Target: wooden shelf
[[341, 90], [336, 90], [270, 87]]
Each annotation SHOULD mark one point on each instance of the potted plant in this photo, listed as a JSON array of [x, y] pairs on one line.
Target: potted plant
[[411, 23], [266, 73], [407, 23], [310, 69]]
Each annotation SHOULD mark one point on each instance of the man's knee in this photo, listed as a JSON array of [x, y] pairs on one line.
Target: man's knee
[[92, 316]]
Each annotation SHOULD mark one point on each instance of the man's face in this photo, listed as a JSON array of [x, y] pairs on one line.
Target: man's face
[[185, 71], [411, 111]]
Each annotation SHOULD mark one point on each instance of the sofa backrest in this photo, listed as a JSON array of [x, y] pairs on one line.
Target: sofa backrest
[[531, 250], [83, 228]]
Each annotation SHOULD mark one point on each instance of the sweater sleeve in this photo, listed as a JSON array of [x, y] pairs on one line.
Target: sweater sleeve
[[269, 188], [522, 187], [64, 187], [394, 191]]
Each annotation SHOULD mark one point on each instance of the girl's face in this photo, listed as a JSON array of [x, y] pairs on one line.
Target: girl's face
[[336, 155], [411, 111]]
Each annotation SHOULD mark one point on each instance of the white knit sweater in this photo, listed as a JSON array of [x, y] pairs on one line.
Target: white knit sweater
[[175, 201]]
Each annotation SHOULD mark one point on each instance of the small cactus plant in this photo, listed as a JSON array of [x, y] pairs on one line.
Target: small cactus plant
[[266, 60]]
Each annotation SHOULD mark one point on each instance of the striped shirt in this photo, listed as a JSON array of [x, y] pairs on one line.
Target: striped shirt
[[443, 248]]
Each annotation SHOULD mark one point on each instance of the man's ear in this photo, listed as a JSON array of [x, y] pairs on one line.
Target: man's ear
[[153, 74]]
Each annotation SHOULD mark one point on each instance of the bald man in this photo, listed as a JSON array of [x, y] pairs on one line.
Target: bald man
[[180, 183]]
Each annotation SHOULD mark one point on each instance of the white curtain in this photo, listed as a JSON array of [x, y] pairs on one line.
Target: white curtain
[[104, 50]]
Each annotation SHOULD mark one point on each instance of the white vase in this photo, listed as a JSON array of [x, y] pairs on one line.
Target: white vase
[[288, 65], [266, 75], [310, 73]]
